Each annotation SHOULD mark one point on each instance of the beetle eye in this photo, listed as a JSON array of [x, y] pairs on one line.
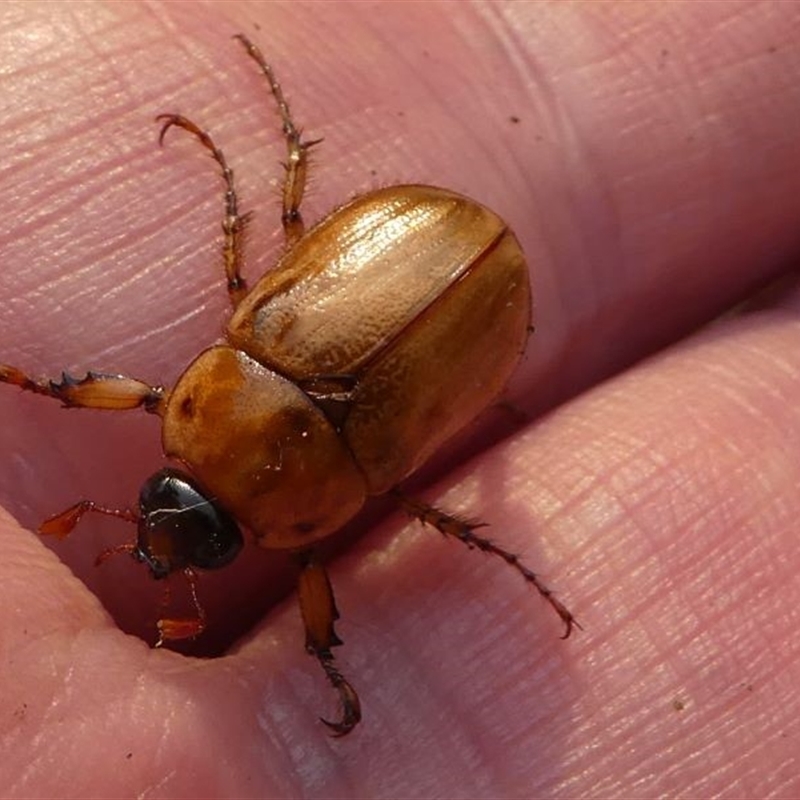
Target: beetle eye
[[181, 527]]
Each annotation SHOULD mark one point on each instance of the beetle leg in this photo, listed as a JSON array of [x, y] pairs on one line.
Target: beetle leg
[[318, 609], [233, 223], [94, 390], [296, 166], [464, 531]]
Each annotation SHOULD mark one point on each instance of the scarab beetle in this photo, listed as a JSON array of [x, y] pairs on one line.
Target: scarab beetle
[[379, 334]]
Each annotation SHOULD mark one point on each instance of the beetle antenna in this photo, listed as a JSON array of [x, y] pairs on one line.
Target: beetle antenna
[[61, 525], [171, 629]]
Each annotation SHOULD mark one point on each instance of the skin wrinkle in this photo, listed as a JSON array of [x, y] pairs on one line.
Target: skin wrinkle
[[642, 484], [705, 428], [556, 127]]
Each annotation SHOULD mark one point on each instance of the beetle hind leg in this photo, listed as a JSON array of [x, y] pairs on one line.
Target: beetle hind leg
[[318, 608], [296, 166], [464, 531], [233, 223]]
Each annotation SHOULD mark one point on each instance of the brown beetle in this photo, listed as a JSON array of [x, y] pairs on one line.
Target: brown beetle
[[379, 334]]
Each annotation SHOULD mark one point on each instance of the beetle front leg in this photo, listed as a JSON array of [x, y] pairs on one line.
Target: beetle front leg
[[296, 165], [318, 609], [95, 390], [464, 531]]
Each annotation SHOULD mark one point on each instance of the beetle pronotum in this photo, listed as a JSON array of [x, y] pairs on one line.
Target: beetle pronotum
[[334, 383]]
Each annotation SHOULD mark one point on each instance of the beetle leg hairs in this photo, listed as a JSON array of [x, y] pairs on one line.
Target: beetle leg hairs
[[233, 223], [318, 609], [464, 531], [296, 165]]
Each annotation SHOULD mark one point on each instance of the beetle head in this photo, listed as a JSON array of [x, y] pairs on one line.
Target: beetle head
[[181, 527]]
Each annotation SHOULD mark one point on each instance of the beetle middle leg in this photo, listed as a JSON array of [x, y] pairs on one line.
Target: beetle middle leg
[[464, 531], [296, 166], [318, 609]]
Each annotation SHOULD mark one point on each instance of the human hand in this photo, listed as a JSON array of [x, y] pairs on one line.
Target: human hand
[[652, 178]]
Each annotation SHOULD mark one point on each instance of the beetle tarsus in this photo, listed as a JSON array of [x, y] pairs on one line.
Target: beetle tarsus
[[464, 530], [351, 705]]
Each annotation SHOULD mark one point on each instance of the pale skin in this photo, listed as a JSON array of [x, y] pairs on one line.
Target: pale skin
[[653, 179]]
